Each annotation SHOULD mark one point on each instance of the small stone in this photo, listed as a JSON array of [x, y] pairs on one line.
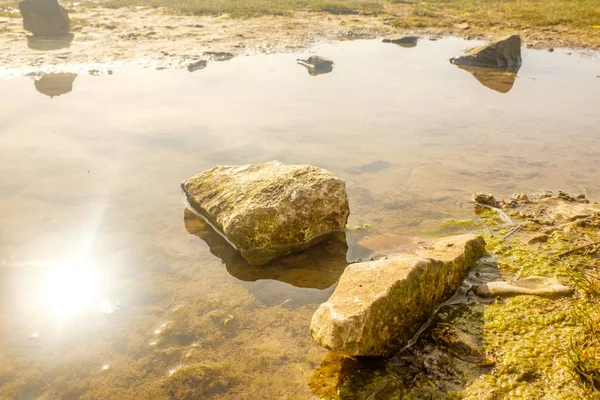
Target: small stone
[[542, 238], [485, 199], [533, 285]]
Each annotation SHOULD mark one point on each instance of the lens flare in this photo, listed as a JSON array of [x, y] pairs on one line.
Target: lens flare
[[71, 287]]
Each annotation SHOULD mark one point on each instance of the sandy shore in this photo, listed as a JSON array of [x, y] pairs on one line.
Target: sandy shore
[[104, 38]]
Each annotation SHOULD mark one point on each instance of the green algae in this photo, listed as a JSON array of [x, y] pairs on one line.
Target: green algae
[[534, 347], [454, 227], [540, 344]]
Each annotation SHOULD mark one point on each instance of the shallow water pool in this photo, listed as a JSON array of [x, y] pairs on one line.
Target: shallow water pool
[[110, 289]]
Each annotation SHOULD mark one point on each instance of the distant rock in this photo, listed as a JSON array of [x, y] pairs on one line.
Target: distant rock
[[404, 41], [45, 17], [218, 55], [378, 306], [503, 53], [533, 285], [316, 65], [270, 210], [49, 43]]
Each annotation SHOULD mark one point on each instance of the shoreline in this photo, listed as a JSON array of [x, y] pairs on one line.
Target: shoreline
[[152, 38]]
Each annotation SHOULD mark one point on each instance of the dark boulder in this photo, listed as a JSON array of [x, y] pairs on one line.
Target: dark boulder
[[45, 17], [503, 53]]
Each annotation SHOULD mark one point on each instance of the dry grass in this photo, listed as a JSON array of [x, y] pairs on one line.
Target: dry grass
[[253, 8], [9, 13], [581, 14], [583, 352], [572, 13]]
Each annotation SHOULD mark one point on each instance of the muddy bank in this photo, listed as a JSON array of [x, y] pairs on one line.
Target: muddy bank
[[140, 36], [527, 345]]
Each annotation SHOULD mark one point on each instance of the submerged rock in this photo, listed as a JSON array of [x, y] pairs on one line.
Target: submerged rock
[[378, 306], [459, 343], [388, 242], [533, 285], [319, 267], [45, 17], [316, 65], [503, 53], [270, 210], [405, 41]]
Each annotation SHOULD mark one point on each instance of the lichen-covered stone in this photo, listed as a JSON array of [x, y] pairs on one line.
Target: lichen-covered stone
[[378, 306], [503, 53], [270, 210]]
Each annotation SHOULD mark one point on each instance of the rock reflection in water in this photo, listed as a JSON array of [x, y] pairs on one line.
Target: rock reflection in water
[[405, 41], [55, 84], [329, 376], [500, 80], [48, 43], [316, 65], [318, 267]]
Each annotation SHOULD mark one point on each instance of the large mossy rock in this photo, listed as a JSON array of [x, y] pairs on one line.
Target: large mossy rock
[[45, 17], [503, 53], [378, 306], [270, 210]]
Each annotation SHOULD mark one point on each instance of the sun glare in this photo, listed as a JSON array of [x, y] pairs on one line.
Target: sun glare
[[71, 287]]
